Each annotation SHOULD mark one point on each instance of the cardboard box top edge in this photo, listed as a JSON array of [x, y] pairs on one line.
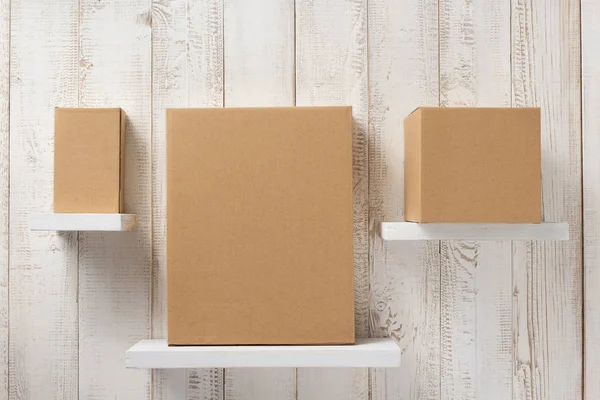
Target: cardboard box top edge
[[87, 109], [469, 108], [258, 108]]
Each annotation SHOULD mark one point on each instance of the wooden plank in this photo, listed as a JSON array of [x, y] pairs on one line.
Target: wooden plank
[[115, 270], [187, 62], [449, 231], [476, 297], [82, 222], [546, 73], [404, 299], [259, 71], [590, 51], [331, 69], [259, 53], [4, 190], [156, 353], [42, 266]]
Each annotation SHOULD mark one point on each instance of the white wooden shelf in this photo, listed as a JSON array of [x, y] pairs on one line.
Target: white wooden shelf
[[155, 353], [83, 222], [452, 231]]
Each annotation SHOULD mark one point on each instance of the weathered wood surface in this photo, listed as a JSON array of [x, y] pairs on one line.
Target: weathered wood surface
[[43, 286], [4, 190], [494, 320], [590, 39], [547, 276], [115, 51], [405, 276], [476, 297]]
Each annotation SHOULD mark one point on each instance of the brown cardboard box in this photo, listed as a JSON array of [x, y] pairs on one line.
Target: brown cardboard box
[[259, 226], [472, 165], [89, 147]]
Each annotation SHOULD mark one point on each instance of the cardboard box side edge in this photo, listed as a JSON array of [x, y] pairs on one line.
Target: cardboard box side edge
[[122, 162], [412, 166], [54, 163]]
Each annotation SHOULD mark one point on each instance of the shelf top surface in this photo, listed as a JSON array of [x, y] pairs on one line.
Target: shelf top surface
[[474, 231], [82, 222], [155, 353]]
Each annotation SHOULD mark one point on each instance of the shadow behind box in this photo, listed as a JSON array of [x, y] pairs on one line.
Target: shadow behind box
[[89, 160], [260, 226]]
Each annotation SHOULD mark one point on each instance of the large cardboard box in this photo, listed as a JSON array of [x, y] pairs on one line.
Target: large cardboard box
[[259, 226], [472, 165], [89, 147]]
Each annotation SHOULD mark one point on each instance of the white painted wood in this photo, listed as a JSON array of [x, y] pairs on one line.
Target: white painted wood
[[448, 231], [590, 38], [546, 72], [476, 296], [331, 69], [476, 320], [259, 71], [4, 190], [175, 384], [187, 62], [82, 222], [155, 353], [259, 52], [43, 357], [115, 271], [404, 282]]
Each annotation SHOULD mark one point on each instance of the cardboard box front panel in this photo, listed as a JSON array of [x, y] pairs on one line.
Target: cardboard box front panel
[[259, 226], [473, 165], [88, 160]]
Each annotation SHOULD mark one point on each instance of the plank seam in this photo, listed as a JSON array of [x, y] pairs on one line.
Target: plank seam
[[8, 201], [368, 173]]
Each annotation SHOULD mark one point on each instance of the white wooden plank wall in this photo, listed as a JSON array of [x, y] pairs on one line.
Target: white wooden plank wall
[[476, 297], [590, 35], [259, 71], [115, 269], [187, 71], [546, 73], [43, 311], [474, 320], [404, 292], [331, 69], [4, 187]]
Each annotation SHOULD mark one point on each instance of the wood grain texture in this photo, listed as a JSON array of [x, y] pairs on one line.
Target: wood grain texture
[[259, 53], [548, 286], [4, 190], [331, 69], [476, 297], [115, 270], [187, 57], [259, 71], [590, 41], [404, 282], [43, 355]]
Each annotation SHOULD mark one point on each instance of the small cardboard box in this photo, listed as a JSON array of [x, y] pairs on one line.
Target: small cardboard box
[[472, 165], [89, 151], [259, 226]]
